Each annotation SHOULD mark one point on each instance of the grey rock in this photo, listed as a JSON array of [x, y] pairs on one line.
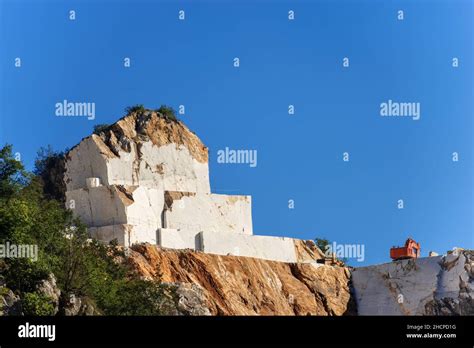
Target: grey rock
[[191, 300], [48, 287], [73, 305], [186, 299], [76, 305], [10, 303], [440, 285]]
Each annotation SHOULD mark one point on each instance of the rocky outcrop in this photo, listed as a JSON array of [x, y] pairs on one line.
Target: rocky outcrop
[[143, 148], [185, 299], [235, 285], [10, 303], [454, 293], [441, 285], [307, 251], [49, 289], [151, 126], [74, 305]]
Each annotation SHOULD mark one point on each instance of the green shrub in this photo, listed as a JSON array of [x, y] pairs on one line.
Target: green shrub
[[322, 243], [101, 127], [139, 108], [37, 304], [167, 112], [137, 297]]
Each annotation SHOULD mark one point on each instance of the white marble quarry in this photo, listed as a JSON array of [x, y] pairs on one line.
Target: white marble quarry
[[449, 282], [210, 212], [146, 179], [411, 287], [121, 233], [115, 204], [124, 234], [168, 167], [178, 239], [86, 160], [262, 247], [224, 243]]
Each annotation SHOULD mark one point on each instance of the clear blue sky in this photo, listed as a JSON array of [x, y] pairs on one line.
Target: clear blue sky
[[282, 62]]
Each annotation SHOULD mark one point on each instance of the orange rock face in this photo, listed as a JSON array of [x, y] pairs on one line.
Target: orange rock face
[[149, 125], [235, 285]]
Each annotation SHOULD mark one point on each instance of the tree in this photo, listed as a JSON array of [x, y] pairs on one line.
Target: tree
[[323, 244], [12, 173], [82, 266], [50, 167]]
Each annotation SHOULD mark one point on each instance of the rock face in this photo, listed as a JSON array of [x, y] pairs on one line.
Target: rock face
[[73, 305], [191, 300], [441, 285], [10, 303], [145, 179], [233, 285], [117, 181], [141, 149], [455, 290], [49, 288]]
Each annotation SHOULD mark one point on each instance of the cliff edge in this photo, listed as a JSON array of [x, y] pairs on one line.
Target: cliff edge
[[236, 285]]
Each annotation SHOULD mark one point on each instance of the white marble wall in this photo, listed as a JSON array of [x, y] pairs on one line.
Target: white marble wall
[[109, 205], [168, 167], [263, 247], [211, 212]]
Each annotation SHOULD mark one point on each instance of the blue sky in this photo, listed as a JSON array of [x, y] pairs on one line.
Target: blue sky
[[282, 62]]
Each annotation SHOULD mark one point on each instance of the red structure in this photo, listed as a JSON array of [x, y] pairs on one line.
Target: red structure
[[411, 250]]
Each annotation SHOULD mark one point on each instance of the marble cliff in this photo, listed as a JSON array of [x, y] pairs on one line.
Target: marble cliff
[[145, 179]]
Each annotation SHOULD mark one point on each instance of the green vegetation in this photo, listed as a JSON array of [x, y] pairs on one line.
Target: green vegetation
[[82, 267], [101, 127], [37, 304], [322, 244], [49, 168], [139, 108], [168, 113]]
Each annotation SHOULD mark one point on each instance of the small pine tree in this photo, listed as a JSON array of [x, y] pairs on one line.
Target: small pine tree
[[322, 244]]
